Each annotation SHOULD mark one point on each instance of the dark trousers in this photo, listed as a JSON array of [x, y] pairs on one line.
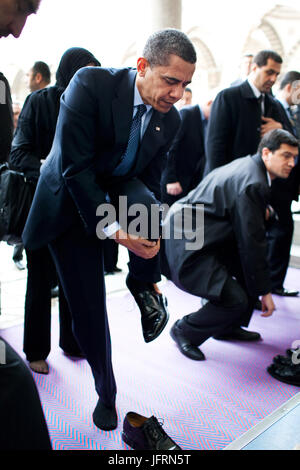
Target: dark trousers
[[18, 252], [280, 236], [110, 252], [79, 262], [37, 326], [23, 425], [233, 308]]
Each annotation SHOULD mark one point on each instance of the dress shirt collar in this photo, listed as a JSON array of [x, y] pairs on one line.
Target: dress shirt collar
[[255, 90], [138, 99]]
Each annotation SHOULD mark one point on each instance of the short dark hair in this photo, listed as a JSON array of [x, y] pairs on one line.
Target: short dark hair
[[189, 90], [288, 78], [43, 69], [262, 57], [162, 44], [273, 140]]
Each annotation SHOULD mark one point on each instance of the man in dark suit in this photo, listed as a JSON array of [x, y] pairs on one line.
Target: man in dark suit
[[186, 157], [222, 256], [95, 154], [283, 192], [241, 115]]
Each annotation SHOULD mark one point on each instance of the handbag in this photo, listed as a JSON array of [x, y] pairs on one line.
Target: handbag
[[16, 194]]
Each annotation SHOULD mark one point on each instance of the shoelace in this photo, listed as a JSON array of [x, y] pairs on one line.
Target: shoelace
[[154, 429]]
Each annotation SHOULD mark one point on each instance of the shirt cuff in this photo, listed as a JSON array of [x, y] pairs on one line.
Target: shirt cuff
[[111, 229]]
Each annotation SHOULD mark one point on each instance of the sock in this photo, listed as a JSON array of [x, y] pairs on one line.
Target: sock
[[135, 286], [105, 417]]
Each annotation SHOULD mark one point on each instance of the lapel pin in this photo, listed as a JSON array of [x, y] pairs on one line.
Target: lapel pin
[[157, 129]]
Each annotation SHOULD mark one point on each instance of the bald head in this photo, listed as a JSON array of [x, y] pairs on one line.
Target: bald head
[[13, 15]]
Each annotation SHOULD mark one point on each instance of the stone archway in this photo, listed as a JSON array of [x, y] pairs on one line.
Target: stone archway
[[206, 63], [263, 36]]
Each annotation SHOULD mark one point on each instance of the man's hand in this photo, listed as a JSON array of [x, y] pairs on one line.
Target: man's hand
[[269, 125], [139, 246], [268, 305], [174, 188]]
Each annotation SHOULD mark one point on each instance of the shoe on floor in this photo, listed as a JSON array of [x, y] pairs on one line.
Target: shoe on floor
[[289, 374], [239, 334], [19, 265], [185, 346], [142, 433]]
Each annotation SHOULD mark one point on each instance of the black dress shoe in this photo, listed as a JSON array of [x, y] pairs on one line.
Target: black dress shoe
[[282, 360], [153, 307], [289, 374], [19, 265], [285, 292], [185, 346], [239, 334], [142, 433]]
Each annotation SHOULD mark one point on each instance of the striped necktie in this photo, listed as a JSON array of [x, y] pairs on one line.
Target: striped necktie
[[128, 158]]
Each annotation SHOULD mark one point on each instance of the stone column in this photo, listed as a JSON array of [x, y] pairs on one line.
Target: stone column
[[166, 14]]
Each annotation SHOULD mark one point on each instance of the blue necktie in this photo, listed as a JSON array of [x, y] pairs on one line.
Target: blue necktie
[[128, 158]]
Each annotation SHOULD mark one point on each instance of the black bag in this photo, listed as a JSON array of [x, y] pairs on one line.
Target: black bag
[[16, 196]]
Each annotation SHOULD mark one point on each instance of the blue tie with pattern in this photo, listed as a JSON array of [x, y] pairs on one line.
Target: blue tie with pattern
[[128, 158]]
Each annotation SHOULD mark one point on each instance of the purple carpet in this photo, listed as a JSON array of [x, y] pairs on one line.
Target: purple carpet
[[204, 405]]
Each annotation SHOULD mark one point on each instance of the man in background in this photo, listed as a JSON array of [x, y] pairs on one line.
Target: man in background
[[39, 76]]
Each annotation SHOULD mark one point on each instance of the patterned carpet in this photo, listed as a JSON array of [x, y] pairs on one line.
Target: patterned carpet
[[204, 405]]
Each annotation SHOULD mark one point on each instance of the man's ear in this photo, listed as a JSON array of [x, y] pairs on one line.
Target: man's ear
[[38, 77], [142, 65]]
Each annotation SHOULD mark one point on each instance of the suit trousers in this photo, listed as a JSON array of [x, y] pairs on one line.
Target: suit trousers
[[79, 261], [37, 326], [233, 309], [280, 236], [23, 425]]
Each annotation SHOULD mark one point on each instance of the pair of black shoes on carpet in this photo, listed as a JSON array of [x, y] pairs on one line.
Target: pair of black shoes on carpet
[[286, 368], [192, 351]]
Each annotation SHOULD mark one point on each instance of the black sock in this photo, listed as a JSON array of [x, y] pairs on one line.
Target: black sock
[[135, 286], [105, 417]]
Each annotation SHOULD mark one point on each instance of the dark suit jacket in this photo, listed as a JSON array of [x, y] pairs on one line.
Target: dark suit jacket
[[234, 125], [285, 190], [6, 119], [91, 136], [235, 198], [186, 157]]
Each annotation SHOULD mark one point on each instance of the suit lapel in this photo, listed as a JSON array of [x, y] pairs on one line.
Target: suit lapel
[[122, 109]]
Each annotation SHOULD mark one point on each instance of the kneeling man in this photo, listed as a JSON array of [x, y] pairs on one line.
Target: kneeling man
[[229, 268]]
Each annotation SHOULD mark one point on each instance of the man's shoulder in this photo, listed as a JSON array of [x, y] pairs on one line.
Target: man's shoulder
[[103, 74]]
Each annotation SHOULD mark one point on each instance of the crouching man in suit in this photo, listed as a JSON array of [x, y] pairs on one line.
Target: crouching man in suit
[[227, 262], [113, 130]]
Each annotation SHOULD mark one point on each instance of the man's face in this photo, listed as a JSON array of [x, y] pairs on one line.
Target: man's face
[[13, 15], [280, 163], [163, 85], [31, 81], [264, 77]]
